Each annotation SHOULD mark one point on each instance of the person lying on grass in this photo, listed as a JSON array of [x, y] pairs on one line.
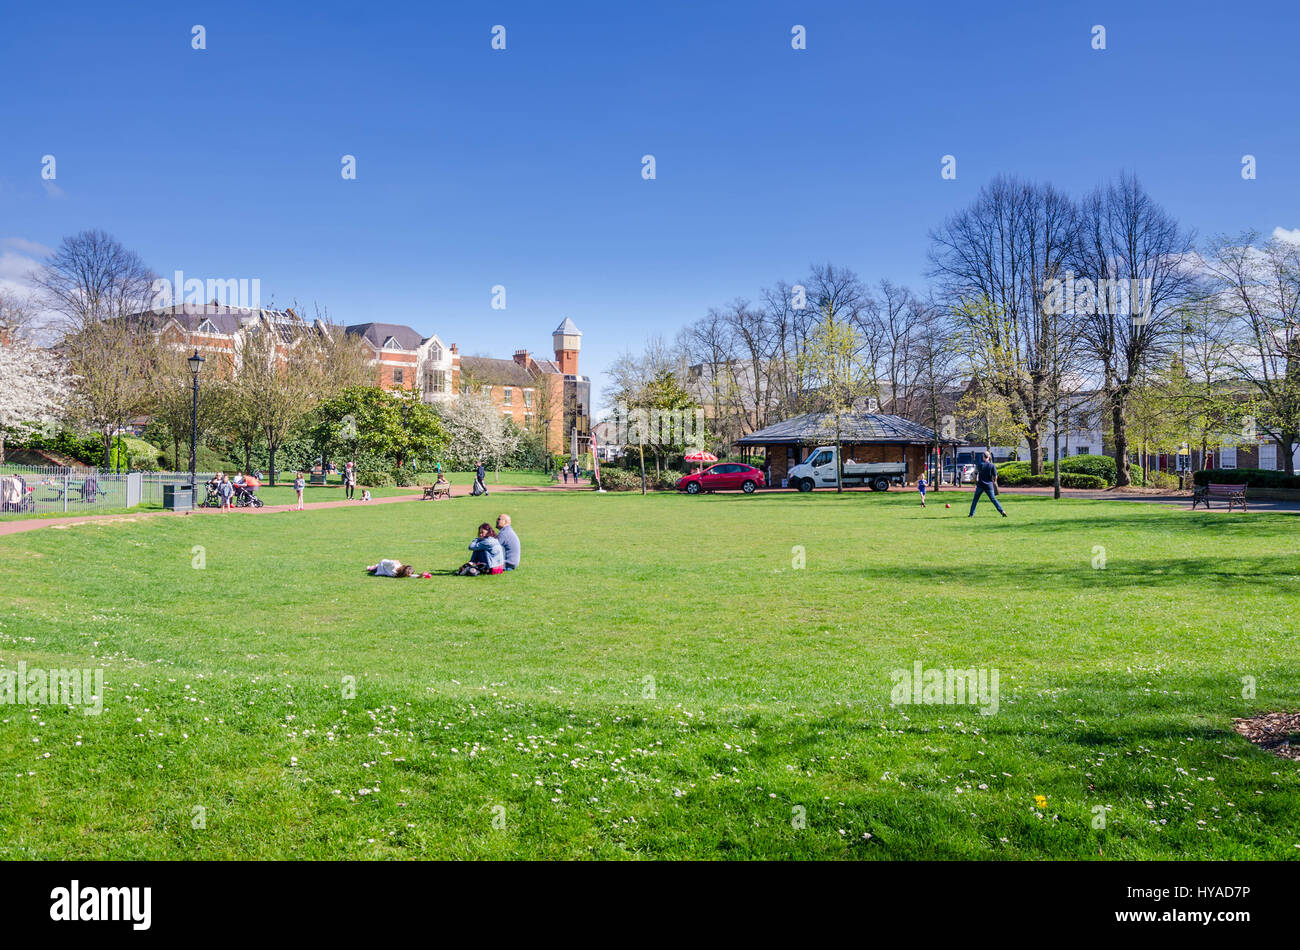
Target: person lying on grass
[[487, 557], [389, 567]]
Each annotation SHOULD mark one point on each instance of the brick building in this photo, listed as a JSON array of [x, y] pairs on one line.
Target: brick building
[[548, 395]]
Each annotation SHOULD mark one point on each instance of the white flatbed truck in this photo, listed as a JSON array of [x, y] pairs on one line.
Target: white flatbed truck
[[819, 472]]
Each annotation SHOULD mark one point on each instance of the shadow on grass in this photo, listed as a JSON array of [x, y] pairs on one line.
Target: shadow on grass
[[1278, 572]]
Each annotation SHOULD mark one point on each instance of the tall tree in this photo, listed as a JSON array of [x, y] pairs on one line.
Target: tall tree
[[831, 359], [1258, 288], [1137, 257], [98, 287], [1003, 250]]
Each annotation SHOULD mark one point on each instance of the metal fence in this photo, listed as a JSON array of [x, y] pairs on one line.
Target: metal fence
[[52, 490]]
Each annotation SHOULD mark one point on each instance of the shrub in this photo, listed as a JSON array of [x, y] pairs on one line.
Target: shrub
[[1253, 477], [1102, 466], [1046, 480], [618, 479]]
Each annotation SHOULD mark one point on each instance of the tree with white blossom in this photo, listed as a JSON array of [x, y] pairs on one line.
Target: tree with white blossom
[[33, 389], [479, 432]]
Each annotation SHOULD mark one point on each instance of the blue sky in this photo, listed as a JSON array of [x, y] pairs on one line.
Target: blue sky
[[522, 167]]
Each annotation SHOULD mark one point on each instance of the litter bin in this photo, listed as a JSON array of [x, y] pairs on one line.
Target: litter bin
[[178, 497]]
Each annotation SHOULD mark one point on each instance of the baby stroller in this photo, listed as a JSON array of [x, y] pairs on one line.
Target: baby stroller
[[14, 496], [246, 496], [213, 498]]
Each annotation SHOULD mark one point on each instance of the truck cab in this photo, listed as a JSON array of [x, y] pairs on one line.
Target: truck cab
[[819, 472]]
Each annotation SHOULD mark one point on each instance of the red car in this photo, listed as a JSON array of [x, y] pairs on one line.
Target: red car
[[722, 477]]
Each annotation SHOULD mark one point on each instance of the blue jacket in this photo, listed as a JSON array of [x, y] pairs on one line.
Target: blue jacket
[[492, 550], [510, 543]]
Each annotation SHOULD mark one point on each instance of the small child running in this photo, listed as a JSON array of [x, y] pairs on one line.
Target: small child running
[[921, 486]]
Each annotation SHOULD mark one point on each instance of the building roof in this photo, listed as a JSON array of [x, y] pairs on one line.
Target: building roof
[[377, 334], [485, 371], [569, 328], [857, 427]]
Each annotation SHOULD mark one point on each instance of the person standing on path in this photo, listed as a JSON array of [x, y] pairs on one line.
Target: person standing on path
[[986, 483], [480, 480]]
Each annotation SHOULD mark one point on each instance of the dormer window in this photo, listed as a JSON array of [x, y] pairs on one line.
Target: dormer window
[[207, 327], [391, 343], [435, 353]]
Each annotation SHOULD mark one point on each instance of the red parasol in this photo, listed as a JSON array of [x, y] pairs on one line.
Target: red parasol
[[699, 455]]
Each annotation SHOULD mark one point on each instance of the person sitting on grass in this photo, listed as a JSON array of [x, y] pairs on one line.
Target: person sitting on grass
[[389, 567], [488, 556], [509, 541]]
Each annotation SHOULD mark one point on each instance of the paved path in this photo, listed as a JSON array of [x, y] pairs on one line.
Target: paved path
[[31, 524]]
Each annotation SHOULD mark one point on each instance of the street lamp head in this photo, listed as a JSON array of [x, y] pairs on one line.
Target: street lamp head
[[196, 363]]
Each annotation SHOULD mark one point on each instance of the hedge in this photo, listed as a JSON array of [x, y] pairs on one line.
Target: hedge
[[1068, 480], [1100, 466], [1252, 477], [621, 479]]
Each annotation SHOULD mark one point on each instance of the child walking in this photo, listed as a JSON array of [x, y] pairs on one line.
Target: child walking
[[921, 486], [298, 486]]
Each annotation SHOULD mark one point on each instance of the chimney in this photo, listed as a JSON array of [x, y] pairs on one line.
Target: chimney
[[521, 357]]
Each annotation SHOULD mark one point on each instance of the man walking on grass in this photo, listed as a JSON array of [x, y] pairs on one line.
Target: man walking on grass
[[986, 483]]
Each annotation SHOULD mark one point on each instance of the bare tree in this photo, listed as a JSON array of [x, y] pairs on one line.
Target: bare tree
[[1258, 289], [98, 287], [1135, 256], [1002, 251]]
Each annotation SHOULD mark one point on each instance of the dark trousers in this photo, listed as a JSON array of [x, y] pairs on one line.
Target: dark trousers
[[983, 489], [348, 489]]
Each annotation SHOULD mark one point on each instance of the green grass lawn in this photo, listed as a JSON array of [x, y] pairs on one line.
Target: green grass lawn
[[660, 680]]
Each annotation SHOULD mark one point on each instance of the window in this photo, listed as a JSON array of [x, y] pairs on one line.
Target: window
[[1228, 457], [821, 458], [506, 399], [1081, 450], [528, 397], [1268, 456], [435, 353], [398, 377]]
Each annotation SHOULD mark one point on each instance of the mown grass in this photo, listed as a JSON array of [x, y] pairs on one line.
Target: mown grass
[[660, 680]]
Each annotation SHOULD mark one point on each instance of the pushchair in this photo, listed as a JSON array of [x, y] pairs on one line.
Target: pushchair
[[14, 496], [246, 496], [213, 497]]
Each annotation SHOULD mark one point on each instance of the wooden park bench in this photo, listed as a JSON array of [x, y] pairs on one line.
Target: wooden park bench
[[1236, 495], [437, 491]]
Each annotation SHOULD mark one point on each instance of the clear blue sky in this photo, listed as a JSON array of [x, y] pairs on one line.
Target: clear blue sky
[[523, 167]]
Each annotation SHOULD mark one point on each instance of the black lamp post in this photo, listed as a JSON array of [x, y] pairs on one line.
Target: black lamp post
[[196, 363]]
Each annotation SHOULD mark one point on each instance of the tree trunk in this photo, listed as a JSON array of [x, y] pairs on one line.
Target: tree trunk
[[1120, 427], [1289, 440], [641, 449], [108, 450], [1056, 457], [1035, 441], [270, 462]]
